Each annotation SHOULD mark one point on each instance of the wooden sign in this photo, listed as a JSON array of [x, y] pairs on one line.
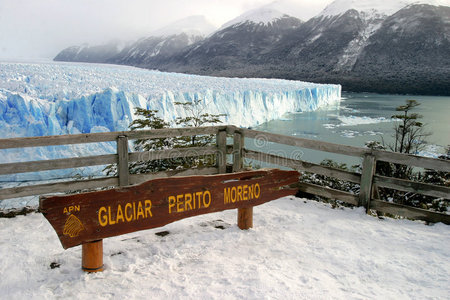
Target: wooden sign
[[87, 217]]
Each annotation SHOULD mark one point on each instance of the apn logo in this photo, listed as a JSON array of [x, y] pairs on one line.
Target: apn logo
[[73, 226]]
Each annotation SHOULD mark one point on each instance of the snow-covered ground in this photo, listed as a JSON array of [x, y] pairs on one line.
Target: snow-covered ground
[[298, 249]]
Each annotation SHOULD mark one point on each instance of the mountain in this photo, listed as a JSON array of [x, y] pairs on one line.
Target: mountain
[[148, 51], [162, 43], [92, 54], [369, 48], [410, 51], [239, 43], [385, 46]]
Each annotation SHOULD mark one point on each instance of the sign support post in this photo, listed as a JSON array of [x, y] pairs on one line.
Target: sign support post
[[245, 218], [245, 214], [92, 256]]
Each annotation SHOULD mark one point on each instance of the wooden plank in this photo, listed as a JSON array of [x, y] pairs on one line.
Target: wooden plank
[[54, 164], [409, 212], [221, 141], [365, 191], [173, 132], [87, 217], [306, 143], [300, 165], [57, 140], [401, 158], [413, 160], [57, 187], [327, 192], [424, 162], [172, 153], [141, 178], [411, 186], [122, 160]]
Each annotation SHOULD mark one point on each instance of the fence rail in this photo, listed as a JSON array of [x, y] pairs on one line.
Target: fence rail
[[237, 151]]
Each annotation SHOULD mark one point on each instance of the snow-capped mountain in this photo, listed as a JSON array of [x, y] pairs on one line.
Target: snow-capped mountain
[[147, 51], [93, 54], [162, 43], [261, 16], [407, 52], [412, 48], [375, 7], [342, 44], [238, 43]]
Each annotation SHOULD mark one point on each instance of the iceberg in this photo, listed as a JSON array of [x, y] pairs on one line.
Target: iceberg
[[38, 99]]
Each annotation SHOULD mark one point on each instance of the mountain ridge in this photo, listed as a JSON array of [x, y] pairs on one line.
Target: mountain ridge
[[361, 49]]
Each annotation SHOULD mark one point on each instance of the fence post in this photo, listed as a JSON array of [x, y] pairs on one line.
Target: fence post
[[122, 162], [238, 145], [221, 141], [245, 214], [368, 169]]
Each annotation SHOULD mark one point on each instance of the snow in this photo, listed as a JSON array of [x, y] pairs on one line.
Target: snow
[[352, 120], [69, 98], [357, 45], [298, 249], [356, 120], [374, 8], [263, 15], [433, 151]]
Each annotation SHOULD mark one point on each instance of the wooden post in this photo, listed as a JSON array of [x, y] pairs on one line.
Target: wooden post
[[238, 145], [221, 141], [368, 169], [92, 256], [122, 162], [245, 215]]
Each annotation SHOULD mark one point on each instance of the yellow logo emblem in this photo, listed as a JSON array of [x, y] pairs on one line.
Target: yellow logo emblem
[[73, 226]]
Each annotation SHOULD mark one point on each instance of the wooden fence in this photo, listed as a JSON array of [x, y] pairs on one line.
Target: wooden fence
[[236, 152]]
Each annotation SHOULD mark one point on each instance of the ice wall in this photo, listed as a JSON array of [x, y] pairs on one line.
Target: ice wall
[[60, 98]]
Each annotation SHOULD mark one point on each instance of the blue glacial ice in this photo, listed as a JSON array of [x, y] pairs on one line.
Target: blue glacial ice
[[38, 99]]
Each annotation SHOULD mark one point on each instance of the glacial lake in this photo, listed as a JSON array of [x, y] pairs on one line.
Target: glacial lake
[[359, 117]]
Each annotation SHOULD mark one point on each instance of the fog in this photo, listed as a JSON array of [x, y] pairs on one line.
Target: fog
[[40, 29]]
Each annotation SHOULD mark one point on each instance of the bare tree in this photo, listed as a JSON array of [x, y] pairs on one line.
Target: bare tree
[[409, 135]]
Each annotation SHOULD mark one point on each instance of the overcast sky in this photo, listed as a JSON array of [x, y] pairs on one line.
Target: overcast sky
[[41, 28]]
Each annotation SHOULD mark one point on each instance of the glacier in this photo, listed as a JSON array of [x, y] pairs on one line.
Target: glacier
[[52, 98]]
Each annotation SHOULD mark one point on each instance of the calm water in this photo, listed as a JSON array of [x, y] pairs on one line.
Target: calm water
[[360, 118]]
